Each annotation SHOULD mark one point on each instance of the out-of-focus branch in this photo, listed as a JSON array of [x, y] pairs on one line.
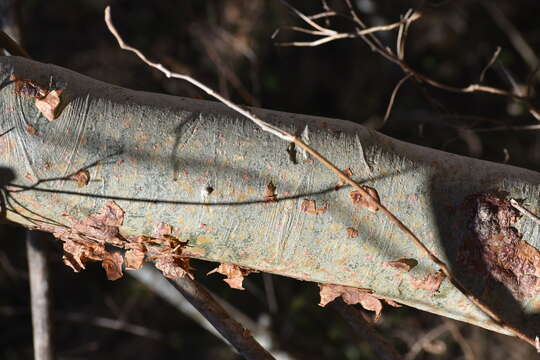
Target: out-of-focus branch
[[381, 348], [39, 294], [236, 334]]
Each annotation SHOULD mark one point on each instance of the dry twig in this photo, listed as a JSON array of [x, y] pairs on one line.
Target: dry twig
[[367, 34], [284, 135]]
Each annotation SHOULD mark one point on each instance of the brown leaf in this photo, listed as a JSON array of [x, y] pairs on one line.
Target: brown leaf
[[340, 183], [351, 296], [359, 199], [135, 255], [78, 252], [404, 265], [308, 206], [234, 273], [173, 266], [352, 232], [48, 105], [82, 177], [431, 282], [270, 193], [112, 263]]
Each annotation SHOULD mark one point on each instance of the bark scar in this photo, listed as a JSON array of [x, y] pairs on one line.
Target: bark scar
[[493, 246]]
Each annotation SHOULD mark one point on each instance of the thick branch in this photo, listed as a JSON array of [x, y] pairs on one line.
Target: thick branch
[[157, 155]]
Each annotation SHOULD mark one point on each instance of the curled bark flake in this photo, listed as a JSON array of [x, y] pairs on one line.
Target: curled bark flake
[[112, 263], [28, 88], [309, 206], [352, 232], [234, 274], [404, 265], [82, 177], [351, 296], [360, 200], [135, 255], [432, 282], [48, 105], [270, 193], [78, 252], [495, 247], [340, 183], [173, 266]]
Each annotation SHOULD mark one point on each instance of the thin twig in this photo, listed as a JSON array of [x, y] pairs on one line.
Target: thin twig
[[393, 97], [364, 330], [332, 36], [368, 35], [113, 324], [453, 327], [362, 190], [490, 63], [426, 339], [517, 40], [323, 15], [524, 211], [40, 295]]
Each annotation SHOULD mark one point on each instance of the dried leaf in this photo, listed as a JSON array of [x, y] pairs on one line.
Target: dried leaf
[[359, 199], [404, 265], [431, 282], [340, 183], [77, 253], [270, 193], [234, 273], [308, 206], [135, 255], [173, 266], [351, 296], [112, 263], [352, 232], [82, 177], [49, 104]]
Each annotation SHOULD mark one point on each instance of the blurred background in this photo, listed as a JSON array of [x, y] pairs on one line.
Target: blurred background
[[229, 46]]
